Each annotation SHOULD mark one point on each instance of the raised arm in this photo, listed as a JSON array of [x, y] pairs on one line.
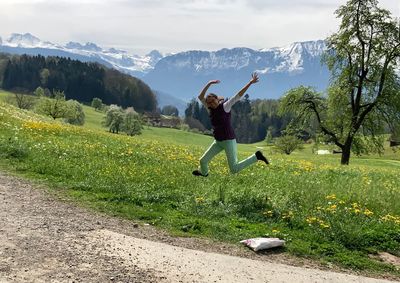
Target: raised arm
[[228, 104], [254, 79], [204, 91]]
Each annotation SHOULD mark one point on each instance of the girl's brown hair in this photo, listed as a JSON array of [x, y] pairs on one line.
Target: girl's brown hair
[[215, 96]]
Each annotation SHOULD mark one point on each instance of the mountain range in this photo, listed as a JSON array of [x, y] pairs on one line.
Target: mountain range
[[176, 78]]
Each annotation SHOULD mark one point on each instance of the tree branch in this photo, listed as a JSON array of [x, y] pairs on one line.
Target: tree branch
[[313, 107], [350, 78], [359, 37], [370, 46], [379, 94]]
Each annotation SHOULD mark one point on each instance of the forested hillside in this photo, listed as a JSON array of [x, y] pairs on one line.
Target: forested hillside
[[79, 81]]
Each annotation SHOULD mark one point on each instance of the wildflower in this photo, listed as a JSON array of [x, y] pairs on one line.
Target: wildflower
[[287, 215], [333, 196], [332, 208], [268, 213], [275, 231], [366, 181], [388, 217], [199, 200], [311, 220], [368, 212]]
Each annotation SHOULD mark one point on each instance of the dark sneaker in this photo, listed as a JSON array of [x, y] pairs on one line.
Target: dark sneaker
[[261, 157], [198, 173]]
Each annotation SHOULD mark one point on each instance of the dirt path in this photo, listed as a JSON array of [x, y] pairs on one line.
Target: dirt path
[[45, 239]]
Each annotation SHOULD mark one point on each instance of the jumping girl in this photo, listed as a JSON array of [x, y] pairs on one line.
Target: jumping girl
[[225, 139]]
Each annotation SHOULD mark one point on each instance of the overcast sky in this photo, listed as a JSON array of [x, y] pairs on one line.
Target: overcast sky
[[140, 26]]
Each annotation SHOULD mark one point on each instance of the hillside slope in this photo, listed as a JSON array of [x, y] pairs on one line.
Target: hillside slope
[[313, 203]]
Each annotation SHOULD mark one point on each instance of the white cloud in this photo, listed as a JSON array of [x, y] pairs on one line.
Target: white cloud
[[174, 25]]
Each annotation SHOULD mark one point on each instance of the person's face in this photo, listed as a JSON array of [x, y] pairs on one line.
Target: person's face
[[212, 102]]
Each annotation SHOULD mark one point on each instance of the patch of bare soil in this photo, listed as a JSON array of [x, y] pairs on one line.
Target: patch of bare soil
[[389, 258]]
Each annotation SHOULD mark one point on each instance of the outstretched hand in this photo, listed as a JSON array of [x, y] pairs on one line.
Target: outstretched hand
[[254, 78], [214, 82]]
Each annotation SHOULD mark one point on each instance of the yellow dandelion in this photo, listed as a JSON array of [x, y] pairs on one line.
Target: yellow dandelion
[[368, 212], [311, 220], [333, 196], [199, 200], [268, 213]]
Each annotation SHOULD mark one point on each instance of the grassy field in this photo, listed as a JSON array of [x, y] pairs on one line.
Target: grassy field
[[324, 211]]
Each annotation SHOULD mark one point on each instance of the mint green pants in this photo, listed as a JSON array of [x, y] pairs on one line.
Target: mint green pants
[[230, 148]]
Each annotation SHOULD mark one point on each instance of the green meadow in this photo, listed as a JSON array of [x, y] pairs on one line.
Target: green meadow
[[324, 211]]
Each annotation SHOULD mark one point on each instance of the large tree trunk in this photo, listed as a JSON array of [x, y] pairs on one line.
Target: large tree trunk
[[346, 150], [345, 156]]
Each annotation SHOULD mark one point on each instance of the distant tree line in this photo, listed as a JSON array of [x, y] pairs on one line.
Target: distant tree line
[[253, 120], [79, 81]]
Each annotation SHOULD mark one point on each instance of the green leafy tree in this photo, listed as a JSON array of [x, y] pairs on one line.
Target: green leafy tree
[[195, 116], [76, 114], [194, 124], [363, 95], [132, 122], [268, 137], [39, 92], [44, 76], [47, 93], [288, 143], [114, 119], [241, 120], [4, 61], [97, 103], [54, 106]]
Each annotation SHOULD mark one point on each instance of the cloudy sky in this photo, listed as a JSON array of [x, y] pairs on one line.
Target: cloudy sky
[[139, 26]]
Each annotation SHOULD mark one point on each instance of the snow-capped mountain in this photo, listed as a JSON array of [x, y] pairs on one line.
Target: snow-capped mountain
[[88, 46], [89, 52], [183, 74], [287, 59], [27, 40], [292, 57]]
